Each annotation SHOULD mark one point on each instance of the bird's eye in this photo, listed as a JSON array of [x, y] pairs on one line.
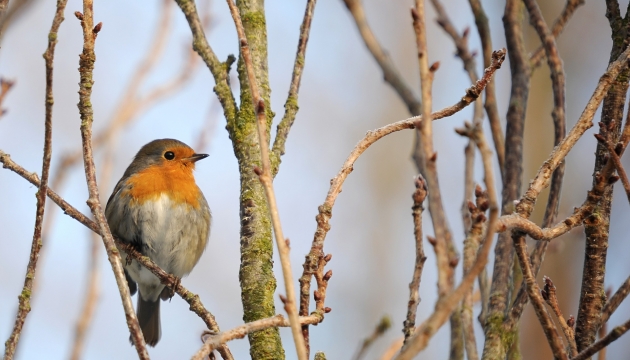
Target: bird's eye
[[169, 155]]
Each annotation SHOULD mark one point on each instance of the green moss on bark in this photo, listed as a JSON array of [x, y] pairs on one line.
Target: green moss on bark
[[258, 284]]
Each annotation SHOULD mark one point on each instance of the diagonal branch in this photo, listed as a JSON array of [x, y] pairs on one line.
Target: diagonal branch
[[539, 54], [390, 73]]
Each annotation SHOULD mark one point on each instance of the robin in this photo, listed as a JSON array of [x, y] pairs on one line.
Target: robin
[[157, 207]]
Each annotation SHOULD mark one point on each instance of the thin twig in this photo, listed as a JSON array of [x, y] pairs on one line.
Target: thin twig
[[551, 298], [440, 227], [471, 246], [24, 298], [392, 349], [291, 105], [379, 330], [239, 332], [390, 73], [419, 196], [167, 279], [483, 28], [533, 291], [614, 301], [86, 68], [266, 178], [604, 342], [538, 55], [614, 156]]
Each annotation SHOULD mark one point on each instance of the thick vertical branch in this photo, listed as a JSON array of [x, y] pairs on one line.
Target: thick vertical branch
[[596, 227], [266, 178], [500, 292], [86, 68], [24, 306], [559, 120]]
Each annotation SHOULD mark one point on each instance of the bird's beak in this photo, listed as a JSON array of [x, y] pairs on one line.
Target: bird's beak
[[196, 157]]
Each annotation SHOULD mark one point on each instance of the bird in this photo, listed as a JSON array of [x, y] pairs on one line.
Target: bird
[[158, 208]]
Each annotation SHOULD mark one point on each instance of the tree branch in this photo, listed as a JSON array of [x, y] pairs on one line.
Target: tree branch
[[291, 105], [390, 73], [419, 196], [266, 179], [24, 306]]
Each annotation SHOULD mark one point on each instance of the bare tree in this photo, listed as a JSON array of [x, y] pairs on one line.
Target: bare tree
[[504, 290]]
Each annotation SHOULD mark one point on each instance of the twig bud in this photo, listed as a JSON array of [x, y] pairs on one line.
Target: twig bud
[[327, 310], [283, 298], [414, 14], [98, 28], [258, 171], [328, 275], [471, 206], [327, 257], [431, 240], [484, 205], [571, 321], [435, 66], [478, 191], [480, 218], [316, 295], [79, 15]]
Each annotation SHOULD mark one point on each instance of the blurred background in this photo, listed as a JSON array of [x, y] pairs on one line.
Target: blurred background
[[342, 96]]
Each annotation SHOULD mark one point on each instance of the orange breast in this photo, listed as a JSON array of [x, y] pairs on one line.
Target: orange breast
[[176, 181]]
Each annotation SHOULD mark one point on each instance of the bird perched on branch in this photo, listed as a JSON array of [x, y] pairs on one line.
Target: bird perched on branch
[[157, 207]]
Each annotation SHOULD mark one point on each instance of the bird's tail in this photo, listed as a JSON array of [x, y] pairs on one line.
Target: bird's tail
[[149, 319]]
